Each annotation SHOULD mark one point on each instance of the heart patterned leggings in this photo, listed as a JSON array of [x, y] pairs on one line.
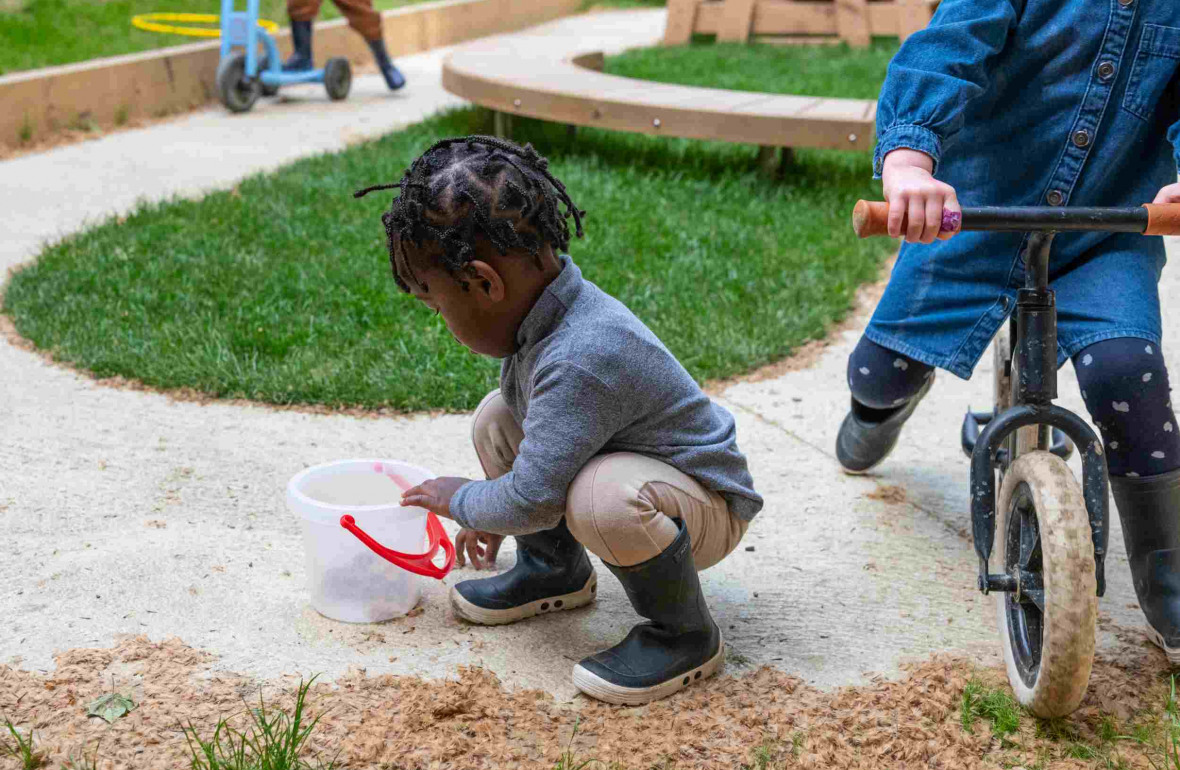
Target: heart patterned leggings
[[1124, 383]]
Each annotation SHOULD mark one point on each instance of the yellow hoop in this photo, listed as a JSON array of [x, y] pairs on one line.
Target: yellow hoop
[[148, 22]]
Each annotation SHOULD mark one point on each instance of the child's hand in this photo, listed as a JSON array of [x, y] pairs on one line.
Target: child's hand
[[916, 196], [1169, 194], [482, 547], [434, 495]]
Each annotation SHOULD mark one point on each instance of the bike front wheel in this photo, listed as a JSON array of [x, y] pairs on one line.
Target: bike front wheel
[[1047, 625]]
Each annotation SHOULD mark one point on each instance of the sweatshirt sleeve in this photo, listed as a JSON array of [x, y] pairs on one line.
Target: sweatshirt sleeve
[[938, 72], [571, 416]]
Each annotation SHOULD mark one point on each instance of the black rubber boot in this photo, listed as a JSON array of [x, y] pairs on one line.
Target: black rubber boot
[[301, 59], [863, 443], [552, 572], [1149, 509], [681, 645], [393, 76]]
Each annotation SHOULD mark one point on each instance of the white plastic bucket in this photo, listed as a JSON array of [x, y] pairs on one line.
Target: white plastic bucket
[[363, 549]]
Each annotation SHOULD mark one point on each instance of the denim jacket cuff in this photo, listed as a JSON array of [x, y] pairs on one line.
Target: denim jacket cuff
[[910, 137]]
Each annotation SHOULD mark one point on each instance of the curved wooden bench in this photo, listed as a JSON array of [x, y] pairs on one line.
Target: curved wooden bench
[[573, 91]]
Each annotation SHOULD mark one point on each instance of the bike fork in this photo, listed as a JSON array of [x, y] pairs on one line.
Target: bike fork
[[1034, 359]]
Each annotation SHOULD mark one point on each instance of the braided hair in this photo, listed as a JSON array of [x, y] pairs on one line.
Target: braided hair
[[469, 187]]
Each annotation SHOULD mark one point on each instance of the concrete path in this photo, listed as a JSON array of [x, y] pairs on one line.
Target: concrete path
[[127, 512]]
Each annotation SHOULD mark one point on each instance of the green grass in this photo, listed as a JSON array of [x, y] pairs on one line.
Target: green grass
[[622, 4], [806, 70], [997, 706], [41, 33], [280, 291], [272, 739], [81, 761], [20, 747]]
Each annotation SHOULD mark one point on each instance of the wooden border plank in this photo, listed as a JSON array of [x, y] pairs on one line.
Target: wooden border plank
[[682, 16], [852, 22], [913, 16], [564, 93], [737, 18]]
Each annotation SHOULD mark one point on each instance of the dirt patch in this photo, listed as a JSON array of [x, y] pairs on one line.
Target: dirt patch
[[892, 494], [767, 717]]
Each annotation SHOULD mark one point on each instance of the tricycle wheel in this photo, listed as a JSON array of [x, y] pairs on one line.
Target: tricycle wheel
[[337, 78], [263, 66], [1047, 625], [238, 93]]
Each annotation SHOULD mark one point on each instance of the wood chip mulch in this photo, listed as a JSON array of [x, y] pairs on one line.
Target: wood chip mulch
[[763, 719]]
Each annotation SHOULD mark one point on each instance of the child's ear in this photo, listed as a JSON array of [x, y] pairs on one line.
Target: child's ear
[[485, 280]]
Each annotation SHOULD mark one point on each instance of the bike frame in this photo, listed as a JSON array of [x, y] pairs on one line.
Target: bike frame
[[1034, 353]]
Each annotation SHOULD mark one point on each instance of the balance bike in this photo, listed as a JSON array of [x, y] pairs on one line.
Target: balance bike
[[1052, 532]]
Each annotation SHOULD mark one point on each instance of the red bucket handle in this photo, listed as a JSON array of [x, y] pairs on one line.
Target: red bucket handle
[[418, 563]]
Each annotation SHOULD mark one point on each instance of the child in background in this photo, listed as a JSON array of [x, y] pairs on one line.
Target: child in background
[[1033, 103], [597, 438], [361, 16]]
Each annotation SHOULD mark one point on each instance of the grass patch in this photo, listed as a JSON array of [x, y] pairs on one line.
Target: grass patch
[[805, 70], [20, 747], [588, 5], [272, 740], [280, 290], [42, 33], [995, 705]]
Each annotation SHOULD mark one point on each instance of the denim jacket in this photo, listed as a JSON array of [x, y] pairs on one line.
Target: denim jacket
[[1023, 103]]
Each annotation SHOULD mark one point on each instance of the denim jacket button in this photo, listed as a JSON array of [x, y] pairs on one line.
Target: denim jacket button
[[1081, 138], [1055, 197], [1125, 3], [1106, 70]]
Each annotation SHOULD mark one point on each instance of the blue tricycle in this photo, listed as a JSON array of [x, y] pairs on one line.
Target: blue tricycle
[[243, 76]]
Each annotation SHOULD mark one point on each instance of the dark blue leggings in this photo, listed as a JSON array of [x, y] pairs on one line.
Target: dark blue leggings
[[1124, 384]]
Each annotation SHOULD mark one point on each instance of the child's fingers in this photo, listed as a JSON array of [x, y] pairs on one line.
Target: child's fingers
[[473, 553], [897, 207], [1168, 194], [462, 540], [934, 204], [418, 500], [494, 550], [917, 219]]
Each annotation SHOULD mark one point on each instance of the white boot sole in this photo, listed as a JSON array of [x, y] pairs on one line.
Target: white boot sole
[[485, 617], [600, 689], [1173, 653]]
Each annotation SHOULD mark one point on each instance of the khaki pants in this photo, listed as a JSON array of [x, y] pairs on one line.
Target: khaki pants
[[620, 505], [360, 14]]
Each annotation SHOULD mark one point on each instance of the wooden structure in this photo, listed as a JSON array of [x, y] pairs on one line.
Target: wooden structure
[[852, 21], [574, 91]]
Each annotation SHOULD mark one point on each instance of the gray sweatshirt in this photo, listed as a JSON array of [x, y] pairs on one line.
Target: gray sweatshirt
[[590, 378]]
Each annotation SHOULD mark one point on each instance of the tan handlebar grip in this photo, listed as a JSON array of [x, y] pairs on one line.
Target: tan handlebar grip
[[870, 218], [1162, 218]]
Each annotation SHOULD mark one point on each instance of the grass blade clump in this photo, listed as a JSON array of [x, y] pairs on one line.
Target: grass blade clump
[[995, 705], [272, 739], [20, 747]]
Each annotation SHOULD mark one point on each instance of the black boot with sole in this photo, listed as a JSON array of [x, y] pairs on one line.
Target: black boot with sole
[[1149, 509], [301, 59], [553, 572], [865, 441], [393, 76], [681, 645]]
